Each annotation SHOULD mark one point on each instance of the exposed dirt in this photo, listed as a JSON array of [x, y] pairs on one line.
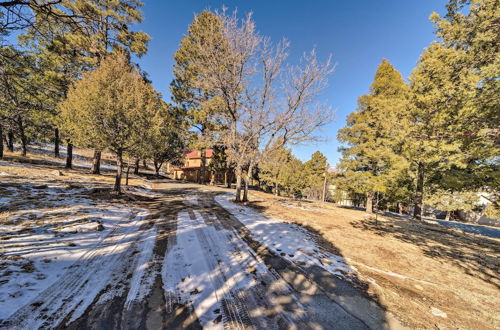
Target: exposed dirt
[[415, 269], [403, 273], [245, 284]]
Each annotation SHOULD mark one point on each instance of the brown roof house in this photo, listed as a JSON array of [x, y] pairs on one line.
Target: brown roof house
[[191, 170]]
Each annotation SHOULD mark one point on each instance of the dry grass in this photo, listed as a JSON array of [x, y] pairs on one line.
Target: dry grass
[[105, 155], [44, 167], [412, 268]]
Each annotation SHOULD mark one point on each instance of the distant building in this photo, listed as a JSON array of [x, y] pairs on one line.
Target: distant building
[[339, 197], [191, 171]]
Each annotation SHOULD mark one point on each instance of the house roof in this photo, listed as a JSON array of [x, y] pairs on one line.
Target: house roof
[[196, 154]]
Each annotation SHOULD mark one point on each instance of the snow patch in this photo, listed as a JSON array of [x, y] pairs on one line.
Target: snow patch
[[142, 280], [50, 240], [192, 199], [290, 241], [209, 265], [437, 312]]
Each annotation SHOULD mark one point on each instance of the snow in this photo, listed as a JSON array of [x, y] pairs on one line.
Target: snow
[[142, 280], [52, 255], [82, 227], [78, 159], [186, 272], [99, 269], [144, 190], [208, 265], [437, 312], [52, 249], [192, 199], [68, 278], [290, 241]]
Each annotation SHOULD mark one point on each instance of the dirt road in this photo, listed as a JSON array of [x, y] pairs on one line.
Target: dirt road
[[195, 264]]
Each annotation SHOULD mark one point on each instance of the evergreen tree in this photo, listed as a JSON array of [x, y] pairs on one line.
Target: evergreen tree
[[168, 139], [188, 90], [282, 172], [70, 47], [438, 100], [372, 159], [220, 164], [450, 201], [470, 29], [110, 108], [469, 37], [24, 96], [315, 170]]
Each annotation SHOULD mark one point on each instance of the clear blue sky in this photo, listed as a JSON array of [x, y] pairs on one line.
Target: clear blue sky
[[359, 34]]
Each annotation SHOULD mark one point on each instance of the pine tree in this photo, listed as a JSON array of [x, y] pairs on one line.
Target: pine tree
[[450, 201], [372, 159], [469, 36], [470, 29], [24, 96], [71, 47], [438, 101], [188, 90], [315, 170], [110, 108], [272, 169], [167, 141]]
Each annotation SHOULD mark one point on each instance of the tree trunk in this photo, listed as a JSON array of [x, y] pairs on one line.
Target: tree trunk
[[419, 194], [128, 170], [157, 167], [56, 142], [119, 165], [276, 189], [369, 202], [24, 145], [323, 198], [400, 209], [10, 141], [448, 215], [226, 178], [247, 182], [136, 167], [145, 164], [203, 166], [1, 141], [251, 175], [238, 184], [69, 155], [96, 162], [230, 176], [24, 141]]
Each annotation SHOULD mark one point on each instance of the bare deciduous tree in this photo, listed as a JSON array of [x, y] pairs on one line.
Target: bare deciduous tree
[[264, 99]]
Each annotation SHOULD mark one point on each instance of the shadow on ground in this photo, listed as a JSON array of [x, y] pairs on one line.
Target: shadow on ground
[[319, 300], [477, 256]]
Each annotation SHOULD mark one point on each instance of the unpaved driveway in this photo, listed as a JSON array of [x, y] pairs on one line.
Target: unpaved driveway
[[193, 264]]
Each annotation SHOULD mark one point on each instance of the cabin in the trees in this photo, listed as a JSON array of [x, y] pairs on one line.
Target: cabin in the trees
[[191, 169]]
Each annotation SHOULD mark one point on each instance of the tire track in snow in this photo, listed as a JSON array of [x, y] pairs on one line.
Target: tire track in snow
[[83, 281], [267, 287], [212, 269]]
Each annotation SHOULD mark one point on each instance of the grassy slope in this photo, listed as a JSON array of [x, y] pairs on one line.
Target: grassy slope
[[414, 269]]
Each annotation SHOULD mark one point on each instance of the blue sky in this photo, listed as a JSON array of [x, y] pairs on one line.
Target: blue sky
[[359, 34]]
